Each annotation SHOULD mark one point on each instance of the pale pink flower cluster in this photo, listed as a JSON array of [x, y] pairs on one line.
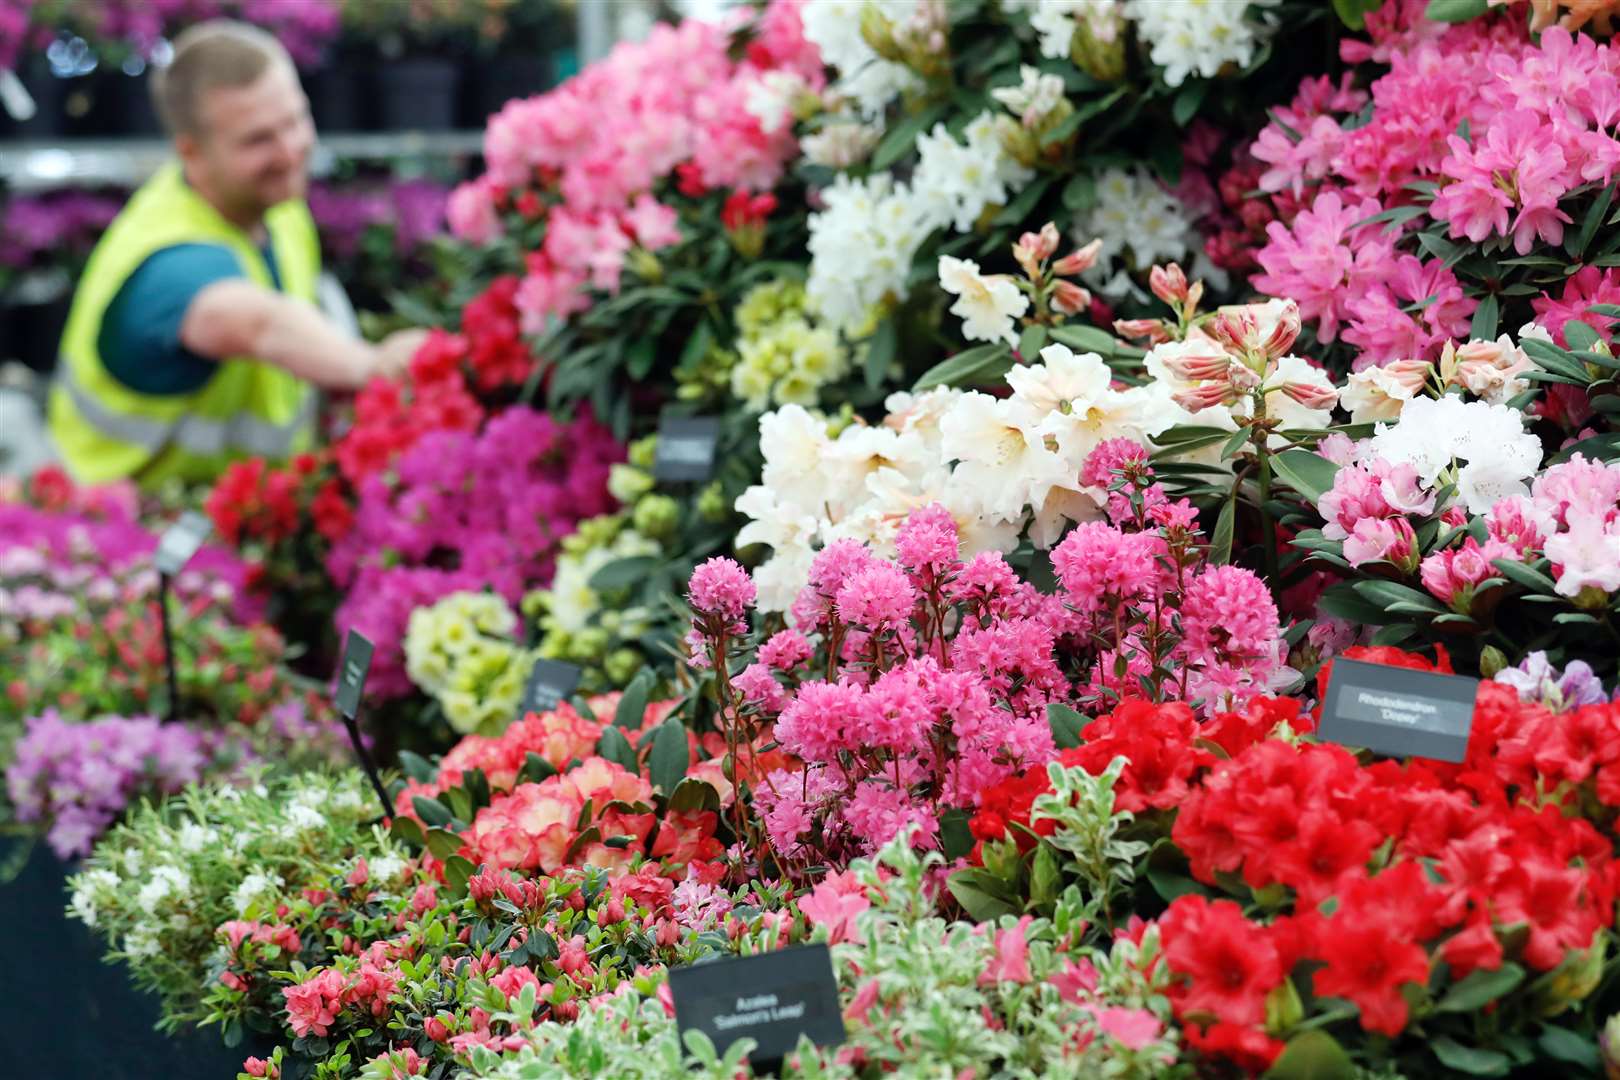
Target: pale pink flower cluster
[[1571, 516], [595, 156]]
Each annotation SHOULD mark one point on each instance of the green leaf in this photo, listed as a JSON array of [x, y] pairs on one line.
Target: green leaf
[[1390, 592], [632, 709], [1067, 725], [1562, 1044], [1341, 602], [443, 843], [406, 831], [1171, 886], [670, 755], [1555, 360], [955, 839], [1086, 339], [1485, 318], [1531, 579], [975, 899], [970, 367], [1469, 1059], [694, 794], [1220, 541], [535, 769], [623, 573], [1353, 13], [1185, 106], [897, 143], [1031, 341], [1080, 193], [1044, 877], [1481, 988], [1589, 226], [417, 767], [1306, 472], [1580, 336], [1455, 11], [431, 810], [880, 350], [616, 748], [1312, 1055], [1016, 211]]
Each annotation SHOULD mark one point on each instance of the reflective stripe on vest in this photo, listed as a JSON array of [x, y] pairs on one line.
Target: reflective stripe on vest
[[243, 433]]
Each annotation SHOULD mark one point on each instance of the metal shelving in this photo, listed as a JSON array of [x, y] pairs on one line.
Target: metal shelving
[[34, 165]]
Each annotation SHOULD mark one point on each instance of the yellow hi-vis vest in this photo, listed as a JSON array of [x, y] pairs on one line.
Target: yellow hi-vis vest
[[106, 431]]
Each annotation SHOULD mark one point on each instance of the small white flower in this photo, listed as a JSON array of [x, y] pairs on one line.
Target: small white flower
[[194, 837], [1035, 96], [987, 305]]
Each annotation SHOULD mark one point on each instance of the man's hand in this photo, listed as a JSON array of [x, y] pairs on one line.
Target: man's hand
[[395, 351]]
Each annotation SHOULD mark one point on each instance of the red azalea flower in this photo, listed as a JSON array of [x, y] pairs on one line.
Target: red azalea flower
[[1230, 963]]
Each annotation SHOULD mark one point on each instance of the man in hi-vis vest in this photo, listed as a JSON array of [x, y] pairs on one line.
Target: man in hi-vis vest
[[194, 337]]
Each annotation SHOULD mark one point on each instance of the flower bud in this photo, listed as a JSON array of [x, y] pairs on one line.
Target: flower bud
[[1169, 284], [1069, 298], [1153, 330], [1078, 261], [1197, 367], [1033, 249], [1311, 395], [1203, 396]]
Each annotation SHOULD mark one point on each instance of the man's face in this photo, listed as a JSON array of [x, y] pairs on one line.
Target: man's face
[[253, 148]]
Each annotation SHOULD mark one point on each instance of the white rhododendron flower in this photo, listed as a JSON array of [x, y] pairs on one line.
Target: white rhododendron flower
[[1487, 444], [987, 304]]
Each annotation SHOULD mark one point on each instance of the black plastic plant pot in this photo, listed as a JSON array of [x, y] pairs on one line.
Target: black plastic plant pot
[[337, 97], [416, 94], [78, 1016], [490, 83]]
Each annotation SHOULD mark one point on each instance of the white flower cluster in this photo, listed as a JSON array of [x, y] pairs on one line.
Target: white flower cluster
[[861, 247], [868, 80], [865, 238], [1055, 21], [461, 651], [1139, 224], [998, 465], [1198, 37], [1487, 445]]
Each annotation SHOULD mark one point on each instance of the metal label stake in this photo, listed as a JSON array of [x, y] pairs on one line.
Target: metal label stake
[[175, 548], [351, 680]]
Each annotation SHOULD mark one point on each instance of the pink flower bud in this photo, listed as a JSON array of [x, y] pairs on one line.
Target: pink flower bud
[[1169, 284], [1069, 298], [1078, 261], [359, 874], [436, 1029], [1311, 395], [1032, 249], [1153, 330], [1204, 396], [1197, 367]]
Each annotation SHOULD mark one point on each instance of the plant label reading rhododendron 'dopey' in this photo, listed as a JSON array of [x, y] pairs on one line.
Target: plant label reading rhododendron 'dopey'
[[772, 998], [686, 448], [550, 683], [180, 542], [1398, 711]]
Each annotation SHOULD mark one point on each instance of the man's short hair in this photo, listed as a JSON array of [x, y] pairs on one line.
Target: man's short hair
[[209, 56]]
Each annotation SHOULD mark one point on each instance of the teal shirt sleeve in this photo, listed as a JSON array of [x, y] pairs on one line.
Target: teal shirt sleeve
[[140, 331]]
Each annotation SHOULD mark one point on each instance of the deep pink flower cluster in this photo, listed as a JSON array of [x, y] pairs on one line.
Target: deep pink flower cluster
[[1500, 129], [591, 155], [465, 511]]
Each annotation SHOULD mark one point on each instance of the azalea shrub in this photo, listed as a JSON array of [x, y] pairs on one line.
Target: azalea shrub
[[907, 687], [1318, 903], [160, 884], [84, 666]]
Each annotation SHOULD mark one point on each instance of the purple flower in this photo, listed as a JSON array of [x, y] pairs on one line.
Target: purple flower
[[1538, 681]]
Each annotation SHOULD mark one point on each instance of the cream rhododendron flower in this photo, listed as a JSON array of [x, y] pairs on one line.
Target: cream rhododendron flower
[[987, 305]]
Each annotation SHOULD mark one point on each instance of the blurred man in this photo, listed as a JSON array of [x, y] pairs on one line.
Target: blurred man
[[194, 337]]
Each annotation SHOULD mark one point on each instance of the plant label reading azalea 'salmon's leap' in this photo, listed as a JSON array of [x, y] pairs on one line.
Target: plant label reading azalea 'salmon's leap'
[[1399, 712], [773, 999]]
